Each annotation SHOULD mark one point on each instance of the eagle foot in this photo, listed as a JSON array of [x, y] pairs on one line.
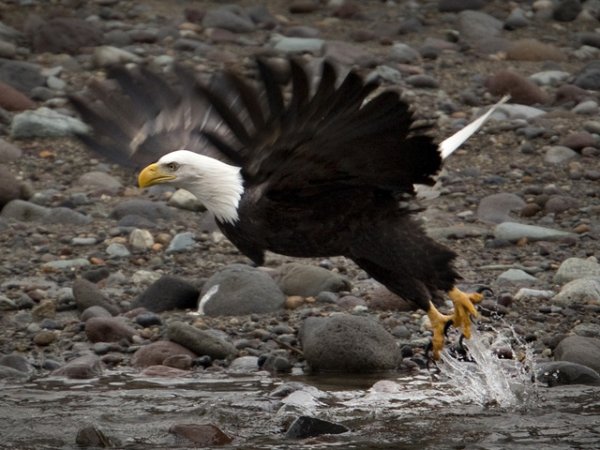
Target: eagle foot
[[464, 310]]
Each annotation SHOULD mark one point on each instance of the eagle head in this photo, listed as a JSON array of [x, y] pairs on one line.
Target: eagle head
[[219, 186]]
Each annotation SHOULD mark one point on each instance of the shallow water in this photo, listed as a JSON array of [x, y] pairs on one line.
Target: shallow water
[[382, 412]]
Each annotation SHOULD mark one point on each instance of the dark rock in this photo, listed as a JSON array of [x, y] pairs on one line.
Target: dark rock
[[64, 35], [201, 342], [422, 81], [347, 343], [201, 435], [155, 353], [168, 293], [567, 10], [383, 299], [240, 290], [460, 5], [588, 77], [307, 281], [21, 75], [10, 188], [305, 426], [108, 329], [17, 362], [303, 6], [521, 89], [148, 319], [229, 17], [560, 203], [579, 140], [23, 211], [66, 216], [561, 373], [13, 100], [84, 367], [86, 294], [579, 350], [90, 436]]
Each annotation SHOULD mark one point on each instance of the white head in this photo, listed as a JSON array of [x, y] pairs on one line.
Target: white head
[[217, 185]]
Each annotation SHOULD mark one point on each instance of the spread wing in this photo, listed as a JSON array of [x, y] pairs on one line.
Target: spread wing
[[331, 135], [323, 134]]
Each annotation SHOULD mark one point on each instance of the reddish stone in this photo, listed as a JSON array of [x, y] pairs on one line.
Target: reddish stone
[[14, 100]]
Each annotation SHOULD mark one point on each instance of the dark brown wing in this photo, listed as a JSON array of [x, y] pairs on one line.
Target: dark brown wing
[[333, 136]]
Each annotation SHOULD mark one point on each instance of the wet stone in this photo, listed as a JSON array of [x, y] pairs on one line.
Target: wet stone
[[90, 436], [201, 342], [108, 329], [305, 426], [564, 372], [157, 352], [202, 435], [83, 367], [580, 350]]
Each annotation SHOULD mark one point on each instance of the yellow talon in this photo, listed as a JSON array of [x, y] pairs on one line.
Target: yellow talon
[[464, 309]]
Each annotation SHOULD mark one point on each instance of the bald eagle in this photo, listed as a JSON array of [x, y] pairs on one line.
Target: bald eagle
[[324, 171]]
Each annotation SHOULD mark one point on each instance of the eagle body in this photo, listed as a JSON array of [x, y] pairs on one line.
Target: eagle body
[[322, 169]]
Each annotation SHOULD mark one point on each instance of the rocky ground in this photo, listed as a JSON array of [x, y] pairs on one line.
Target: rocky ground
[[96, 273]]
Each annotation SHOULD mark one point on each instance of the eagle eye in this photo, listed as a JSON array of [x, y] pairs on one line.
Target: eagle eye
[[172, 166]]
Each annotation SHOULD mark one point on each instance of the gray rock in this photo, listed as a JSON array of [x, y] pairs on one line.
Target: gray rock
[[17, 362], [244, 364], [563, 372], [230, 17], [101, 181], [81, 368], [108, 329], [45, 122], [514, 111], [586, 107], [11, 188], [422, 81], [549, 77], [516, 276], [512, 231], [201, 342], [240, 290], [13, 374], [347, 343], [86, 294], [287, 45], [475, 26], [66, 216], [579, 350], [156, 353], [24, 211], [588, 78], [496, 208], [591, 330], [94, 311], [404, 54], [580, 291], [309, 281], [574, 268], [182, 242], [558, 154], [168, 293], [9, 151], [143, 208], [516, 19], [116, 250], [21, 75]]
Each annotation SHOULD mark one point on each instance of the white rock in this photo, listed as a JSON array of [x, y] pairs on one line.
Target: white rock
[[549, 77], [574, 268], [185, 200], [512, 231], [106, 55], [525, 293], [297, 45], [141, 239], [558, 154], [582, 290], [516, 276], [45, 122]]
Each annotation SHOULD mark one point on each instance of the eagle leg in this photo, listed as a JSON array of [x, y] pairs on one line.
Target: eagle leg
[[464, 309]]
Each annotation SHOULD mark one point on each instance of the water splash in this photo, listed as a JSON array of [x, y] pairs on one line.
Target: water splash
[[488, 380]]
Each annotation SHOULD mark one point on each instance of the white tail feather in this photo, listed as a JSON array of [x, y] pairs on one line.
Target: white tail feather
[[448, 146]]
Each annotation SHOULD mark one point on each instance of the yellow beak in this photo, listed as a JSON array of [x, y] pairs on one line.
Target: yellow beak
[[153, 174]]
